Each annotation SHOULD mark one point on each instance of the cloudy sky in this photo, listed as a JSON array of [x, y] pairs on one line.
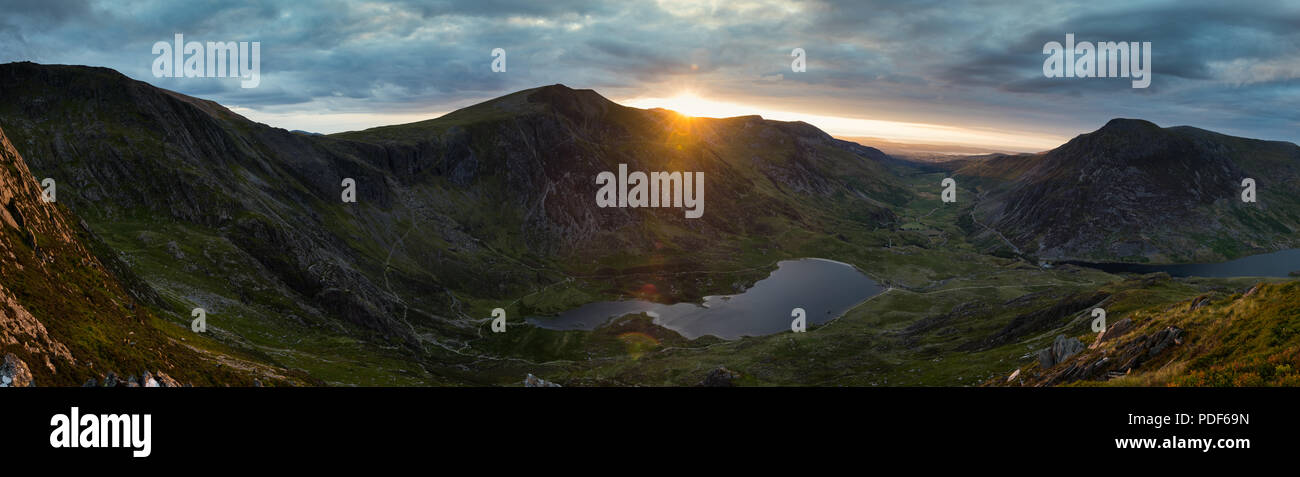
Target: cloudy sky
[[921, 71]]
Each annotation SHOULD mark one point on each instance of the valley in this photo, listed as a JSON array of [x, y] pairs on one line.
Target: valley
[[491, 206]]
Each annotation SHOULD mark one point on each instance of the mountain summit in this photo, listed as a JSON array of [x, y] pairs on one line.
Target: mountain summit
[[1132, 190]]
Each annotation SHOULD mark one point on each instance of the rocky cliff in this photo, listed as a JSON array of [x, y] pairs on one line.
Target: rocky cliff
[[1135, 191], [66, 319]]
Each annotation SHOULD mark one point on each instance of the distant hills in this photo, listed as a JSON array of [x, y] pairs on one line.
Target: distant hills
[[924, 151]]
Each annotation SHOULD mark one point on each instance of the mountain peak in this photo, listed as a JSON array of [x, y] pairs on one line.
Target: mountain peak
[[1126, 124], [571, 102]]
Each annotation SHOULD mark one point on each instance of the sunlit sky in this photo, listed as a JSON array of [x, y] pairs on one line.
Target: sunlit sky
[[908, 71], [692, 104]]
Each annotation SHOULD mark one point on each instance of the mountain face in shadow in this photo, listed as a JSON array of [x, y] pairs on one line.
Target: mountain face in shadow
[[490, 202], [66, 318], [1135, 191]]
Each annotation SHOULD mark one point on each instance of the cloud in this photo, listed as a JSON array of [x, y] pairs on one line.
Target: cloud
[[1222, 65]]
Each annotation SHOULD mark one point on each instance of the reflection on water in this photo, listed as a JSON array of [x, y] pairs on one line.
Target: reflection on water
[[825, 289]]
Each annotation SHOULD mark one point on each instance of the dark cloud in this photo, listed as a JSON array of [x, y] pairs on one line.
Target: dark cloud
[[1233, 66]]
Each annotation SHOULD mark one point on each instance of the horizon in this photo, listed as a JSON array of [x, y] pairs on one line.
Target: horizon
[[652, 103]]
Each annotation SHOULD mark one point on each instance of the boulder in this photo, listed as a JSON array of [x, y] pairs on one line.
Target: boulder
[[1062, 348], [720, 377], [166, 381], [536, 382], [15, 373], [1113, 331]]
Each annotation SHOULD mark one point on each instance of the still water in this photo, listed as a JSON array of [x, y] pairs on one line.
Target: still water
[[1276, 264], [825, 289]]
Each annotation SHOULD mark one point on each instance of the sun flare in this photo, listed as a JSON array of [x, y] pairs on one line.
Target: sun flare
[[690, 104]]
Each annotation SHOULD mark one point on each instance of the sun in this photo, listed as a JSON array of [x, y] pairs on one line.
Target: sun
[[690, 104]]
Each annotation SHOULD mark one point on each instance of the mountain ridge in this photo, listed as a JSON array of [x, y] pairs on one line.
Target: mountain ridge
[[246, 218], [1107, 195], [491, 206]]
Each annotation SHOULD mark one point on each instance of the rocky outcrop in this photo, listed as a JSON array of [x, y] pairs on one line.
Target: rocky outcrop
[[1112, 332], [1062, 349], [536, 382], [14, 373], [1099, 364], [166, 381]]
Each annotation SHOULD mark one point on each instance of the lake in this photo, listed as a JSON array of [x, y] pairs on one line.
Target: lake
[[825, 289], [1276, 264]]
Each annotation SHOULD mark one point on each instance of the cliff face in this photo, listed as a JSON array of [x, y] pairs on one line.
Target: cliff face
[[34, 236], [64, 317]]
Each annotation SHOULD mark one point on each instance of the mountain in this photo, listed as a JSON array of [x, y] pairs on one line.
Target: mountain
[[1134, 191], [454, 215], [187, 204], [65, 317]]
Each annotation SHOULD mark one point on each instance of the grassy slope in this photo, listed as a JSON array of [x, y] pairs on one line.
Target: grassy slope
[[1236, 339]]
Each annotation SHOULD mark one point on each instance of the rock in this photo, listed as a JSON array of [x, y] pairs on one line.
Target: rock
[[110, 381], [720, 377], [90, 383], [175, 250], [1122, 359], [1113, 331], [148, 380], [14, 373], [1045, 358], [1063, 348], [1165, 338], [166, 381], [1253, 289], [536, 382]]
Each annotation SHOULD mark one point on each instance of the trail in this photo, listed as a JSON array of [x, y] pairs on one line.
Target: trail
[[995, 231]]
